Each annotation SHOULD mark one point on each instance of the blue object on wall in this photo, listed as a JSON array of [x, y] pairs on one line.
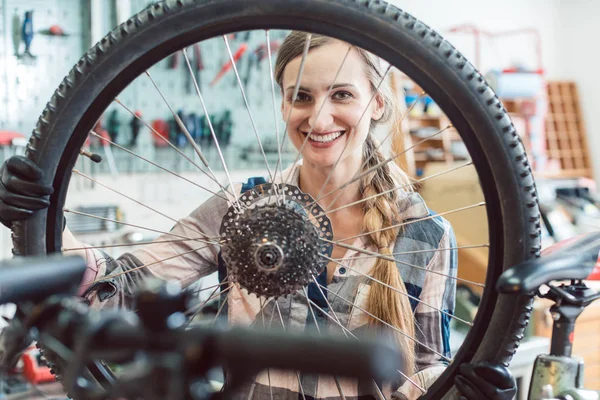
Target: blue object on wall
[[27, 32]]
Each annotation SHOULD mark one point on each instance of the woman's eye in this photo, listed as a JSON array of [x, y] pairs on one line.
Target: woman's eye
[[302, 97], [342, 95]]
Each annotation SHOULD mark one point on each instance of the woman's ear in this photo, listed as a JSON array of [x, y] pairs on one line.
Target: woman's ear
[[379, 108]]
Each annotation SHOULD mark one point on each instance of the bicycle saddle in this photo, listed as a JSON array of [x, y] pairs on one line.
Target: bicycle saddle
[[576, 258]]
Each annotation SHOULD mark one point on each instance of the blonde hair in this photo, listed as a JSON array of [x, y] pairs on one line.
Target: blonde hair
[[380, 212]]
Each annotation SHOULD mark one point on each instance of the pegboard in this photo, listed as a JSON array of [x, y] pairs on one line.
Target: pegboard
[[179, 91], [27, 88], [26, 85], [177, 87]]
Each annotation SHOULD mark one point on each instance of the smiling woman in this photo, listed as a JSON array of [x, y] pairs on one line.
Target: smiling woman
[[335, 101], [343, 95]]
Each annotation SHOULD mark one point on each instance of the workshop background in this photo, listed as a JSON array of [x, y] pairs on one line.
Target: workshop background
[[539, 55]]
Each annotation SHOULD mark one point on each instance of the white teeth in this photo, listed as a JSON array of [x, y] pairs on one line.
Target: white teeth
[[325, 138]]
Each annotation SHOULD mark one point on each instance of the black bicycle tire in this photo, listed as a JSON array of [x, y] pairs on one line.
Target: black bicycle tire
[[432, 62]]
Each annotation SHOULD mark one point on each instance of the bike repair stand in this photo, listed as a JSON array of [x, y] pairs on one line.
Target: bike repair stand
[[559, 372]]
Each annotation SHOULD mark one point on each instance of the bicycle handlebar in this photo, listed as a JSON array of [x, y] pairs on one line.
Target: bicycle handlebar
[[259, 350], [122, 336], [36, 278]]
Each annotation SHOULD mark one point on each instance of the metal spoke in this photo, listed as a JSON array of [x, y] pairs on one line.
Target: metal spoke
[[337, 383], [143, 266], [326, 300], [108, 246], [219, 311], [339, 387], [199, 308], [139, 202], [187, 134], [237, 75], [475, 246], [374, 168], [344, 329], [155, 164], [210, 287], [355, 337], [210, 126], [276, 119], [320, 109], [283, 325], [263, 304], [167, 141], [135, 226], [294, 95], [393, 190], [415, 220], [401, 292], [311, 311], [355, 126], [389, 258], [180, 123], [385, 323]]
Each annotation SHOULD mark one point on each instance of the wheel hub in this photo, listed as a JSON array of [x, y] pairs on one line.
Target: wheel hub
[[274, 247]]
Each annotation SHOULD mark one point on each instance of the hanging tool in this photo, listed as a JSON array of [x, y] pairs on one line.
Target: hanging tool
[[197, 66], [251, 64], [160, 127], [174, 60], [27, 32], [54, 30], [114, 125], [198, 63], [224, 127], [262, 52], [205, 135], [228, 65], [189, 85], [135, 128], [259, 54], [180, 138], [94, 141], [16, 33]]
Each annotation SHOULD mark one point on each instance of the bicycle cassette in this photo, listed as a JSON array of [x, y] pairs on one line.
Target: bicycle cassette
[[274, 244]]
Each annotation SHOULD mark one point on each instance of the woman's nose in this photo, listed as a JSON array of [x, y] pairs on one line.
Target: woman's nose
[[321, 117]]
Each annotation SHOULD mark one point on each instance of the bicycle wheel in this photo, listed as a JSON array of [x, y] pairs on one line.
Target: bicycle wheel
[[410, 46]]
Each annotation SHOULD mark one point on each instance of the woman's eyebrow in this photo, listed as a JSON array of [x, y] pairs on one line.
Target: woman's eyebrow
[[336, 86]]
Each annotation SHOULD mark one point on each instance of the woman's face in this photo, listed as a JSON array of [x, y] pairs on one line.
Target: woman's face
[[336, 123]]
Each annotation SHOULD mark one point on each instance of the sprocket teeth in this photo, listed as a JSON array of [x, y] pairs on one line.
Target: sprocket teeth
[[272, 248]]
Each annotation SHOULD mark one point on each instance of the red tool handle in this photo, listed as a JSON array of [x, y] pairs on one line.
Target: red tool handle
[[238, 54]]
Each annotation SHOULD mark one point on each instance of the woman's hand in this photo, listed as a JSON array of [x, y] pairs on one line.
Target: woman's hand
[[21, 190], [483, 380]]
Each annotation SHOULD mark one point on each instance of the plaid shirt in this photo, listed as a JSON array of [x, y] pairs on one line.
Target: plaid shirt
[[419, 244]]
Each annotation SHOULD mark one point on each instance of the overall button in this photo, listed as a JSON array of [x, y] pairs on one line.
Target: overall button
[[342, 270]]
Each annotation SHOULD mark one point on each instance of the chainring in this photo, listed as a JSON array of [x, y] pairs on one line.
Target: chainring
[[273, 246]]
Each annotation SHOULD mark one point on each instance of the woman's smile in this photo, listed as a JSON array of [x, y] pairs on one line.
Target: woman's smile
[[324, 139]]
